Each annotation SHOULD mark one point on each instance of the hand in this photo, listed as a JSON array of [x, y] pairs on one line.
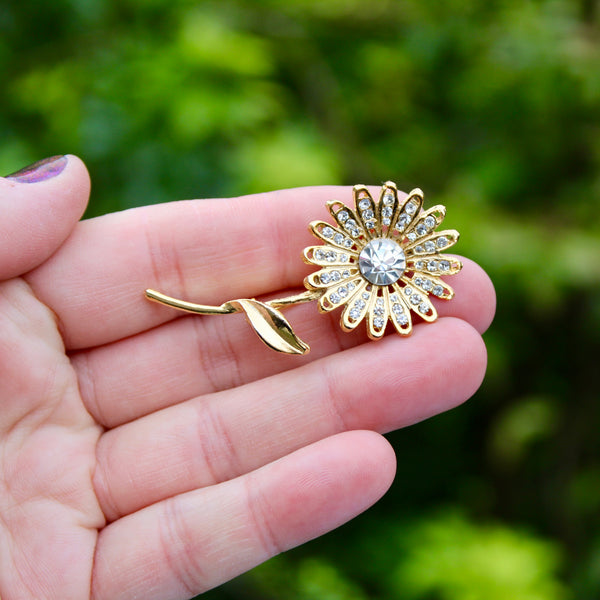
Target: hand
[[145, 455]]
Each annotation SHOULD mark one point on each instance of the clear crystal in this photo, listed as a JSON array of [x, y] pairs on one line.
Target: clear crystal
[[415, 299], [418, 281], [342, 291], [402, 319], [444, 265], [408, 291], [379, 311], [327, 232], [379, 302], [442, 242], [411, 208], [403, 221], [360, 304], [430, 246], [350, 286], [334, 298], [342, 216], [397, 309], [427, 285], [364, 204], [355, 233], [379, 322], [438, 290], [325, 278], [386, 220], [387, 211], [354, 313], [344, 258], [432, 265], [368, 214], [318, 254], [338, 238], [412, 236], [429, 222], [348, 243], [370, 224], [423, 308], [345, 274], [330, 256], [382, 261], [365, 295], [419, 265], [388, 198], [421, 229], [335, 276], [419, 249]]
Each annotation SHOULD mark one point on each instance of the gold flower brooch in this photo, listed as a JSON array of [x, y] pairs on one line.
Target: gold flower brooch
[[381, 262]]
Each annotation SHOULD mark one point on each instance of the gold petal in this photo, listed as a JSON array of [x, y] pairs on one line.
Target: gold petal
[[348, 322], [347, 219], [329, 277], [336, 295], [345, 241], [433, 285], [271, 326], [328, 256], [377, 314], [433, 243], [407, 214], [418, 301], [387, 208], [396, 314], [436, 264], [366, 211]]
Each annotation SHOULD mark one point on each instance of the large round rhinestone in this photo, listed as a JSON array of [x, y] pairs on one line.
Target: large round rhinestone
[[382, 262]]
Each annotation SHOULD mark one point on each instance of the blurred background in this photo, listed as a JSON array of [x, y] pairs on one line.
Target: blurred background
[[493, 108]]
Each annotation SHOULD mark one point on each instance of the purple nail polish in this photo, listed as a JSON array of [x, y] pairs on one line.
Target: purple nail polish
[[41, 170]]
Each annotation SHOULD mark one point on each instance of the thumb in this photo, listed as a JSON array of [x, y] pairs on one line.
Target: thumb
[[39, 207]]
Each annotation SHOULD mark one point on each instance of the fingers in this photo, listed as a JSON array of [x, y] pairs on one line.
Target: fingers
[[189, 357], [190, 543], [379, 386], [39, 206]]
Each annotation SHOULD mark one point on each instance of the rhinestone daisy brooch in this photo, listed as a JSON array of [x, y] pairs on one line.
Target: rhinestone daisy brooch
[[380, 262]]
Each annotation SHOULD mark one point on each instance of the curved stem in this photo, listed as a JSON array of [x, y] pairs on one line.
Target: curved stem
[[227, 308]]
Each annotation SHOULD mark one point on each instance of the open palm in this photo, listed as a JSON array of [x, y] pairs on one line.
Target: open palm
[[145, 455]]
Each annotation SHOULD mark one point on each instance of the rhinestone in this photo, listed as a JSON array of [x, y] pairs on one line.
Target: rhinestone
[[350, 286], [379, 322], [382, 262], [412, 236], [397, 309], [403, 221], [364, 204], [411, 208], [415, 299], [354, 313], [330, 256], [438, 290], [360, 304], [344, 258], [325, 278], [442, 242], [355, 233], [419, 249], [418, 281], [424, 308], [432, 265], [388, 198], [394, 297], [427, 285], [342, 291], [444, 265], [334, 298], [387, 211], [343, 216], [379, 302], [408, 291], [379, 312], [338, 238], [386, 220], [348, 243], [327, 232], [419, 265], [430, 246], [368, 214], [335, 276], [402, 319], [421, 229], [370, 224], [345, 274], [365, 295], [318, 254], [429, 222]]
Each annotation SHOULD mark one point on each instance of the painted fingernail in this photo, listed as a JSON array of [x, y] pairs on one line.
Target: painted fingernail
[[41, 170]]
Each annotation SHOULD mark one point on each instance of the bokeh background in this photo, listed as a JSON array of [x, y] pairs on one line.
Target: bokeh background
[[493, 108]]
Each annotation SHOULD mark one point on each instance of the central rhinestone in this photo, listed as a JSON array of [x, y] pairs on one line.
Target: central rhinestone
[[382, 262]]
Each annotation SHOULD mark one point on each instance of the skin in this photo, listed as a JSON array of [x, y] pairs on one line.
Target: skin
[[148, 455]]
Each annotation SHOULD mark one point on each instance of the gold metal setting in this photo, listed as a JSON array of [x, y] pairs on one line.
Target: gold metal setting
[[343, 279]]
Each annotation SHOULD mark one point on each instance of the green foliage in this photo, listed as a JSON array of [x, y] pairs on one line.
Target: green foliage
[[493, 108]]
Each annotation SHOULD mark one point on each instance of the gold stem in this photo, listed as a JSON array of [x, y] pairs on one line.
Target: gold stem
[[226, 308]]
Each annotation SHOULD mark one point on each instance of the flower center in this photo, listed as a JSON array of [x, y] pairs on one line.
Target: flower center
[[382, 262]]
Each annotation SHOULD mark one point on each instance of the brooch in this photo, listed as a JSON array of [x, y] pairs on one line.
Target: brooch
[[380, 262]]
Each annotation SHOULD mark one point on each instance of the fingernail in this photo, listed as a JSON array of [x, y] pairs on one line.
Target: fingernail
[[41, 170]]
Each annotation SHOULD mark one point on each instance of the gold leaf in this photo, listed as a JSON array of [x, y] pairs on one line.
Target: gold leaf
[[271, 326]]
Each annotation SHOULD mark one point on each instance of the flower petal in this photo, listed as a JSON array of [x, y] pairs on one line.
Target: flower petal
[[433, 285], [429, 220], [346, 219], [399, 311], [356, 307], [329, 277], [418, 301], [377, 314], [432, 243], [337, 295], [436, 264], [407, 214], [332, 235], [366, 210], [326, 256], [387, 208]]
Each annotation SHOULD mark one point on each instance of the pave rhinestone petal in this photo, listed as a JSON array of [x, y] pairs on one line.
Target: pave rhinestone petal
[[382, 262]]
